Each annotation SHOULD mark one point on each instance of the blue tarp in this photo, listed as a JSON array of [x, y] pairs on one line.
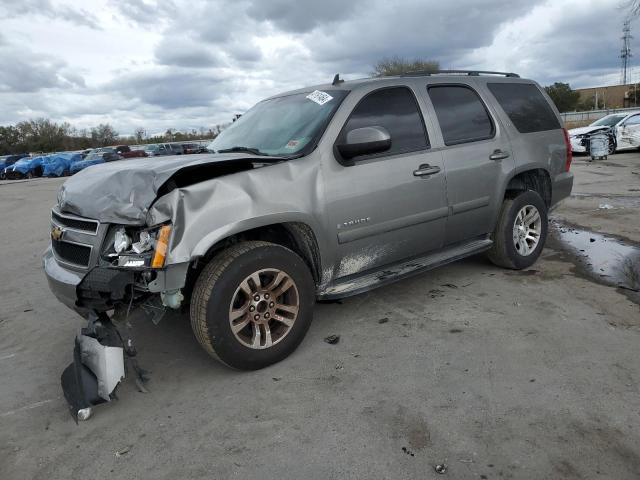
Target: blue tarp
[[77, 166], [27, 164], [57, 164]]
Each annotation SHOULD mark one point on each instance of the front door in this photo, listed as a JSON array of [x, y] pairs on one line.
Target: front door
[[392, 205], [628, 133]]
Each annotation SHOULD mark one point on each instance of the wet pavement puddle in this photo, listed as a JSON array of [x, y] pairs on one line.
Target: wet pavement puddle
[[603, 257]]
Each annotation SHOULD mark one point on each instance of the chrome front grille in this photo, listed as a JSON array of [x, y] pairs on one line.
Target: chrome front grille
[[70, 222], [76, 241], [73, 253]]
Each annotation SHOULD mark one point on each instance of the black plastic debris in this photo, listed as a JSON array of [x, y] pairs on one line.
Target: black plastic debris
[[383, 320], [332, 339], [407, 451], [450, 285]]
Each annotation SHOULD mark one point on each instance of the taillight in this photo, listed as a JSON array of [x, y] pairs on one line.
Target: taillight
[[567, 144]]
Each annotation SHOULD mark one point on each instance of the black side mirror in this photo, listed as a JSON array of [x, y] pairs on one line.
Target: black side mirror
[[365, 141]]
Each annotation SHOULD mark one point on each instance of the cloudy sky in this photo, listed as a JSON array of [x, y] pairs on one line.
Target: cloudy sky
[[190, 64]]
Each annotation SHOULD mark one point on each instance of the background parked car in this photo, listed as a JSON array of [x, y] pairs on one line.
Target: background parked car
[[26, 167], [59, 164], [9, 160], [175, 148], [157, 150], [623, 128], [128, 152], [94, 158], [193, 148]]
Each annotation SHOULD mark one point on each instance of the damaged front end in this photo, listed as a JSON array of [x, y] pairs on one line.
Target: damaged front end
[[106, 272]]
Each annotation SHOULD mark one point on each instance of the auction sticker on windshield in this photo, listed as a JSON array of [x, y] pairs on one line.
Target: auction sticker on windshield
[[319, 97]]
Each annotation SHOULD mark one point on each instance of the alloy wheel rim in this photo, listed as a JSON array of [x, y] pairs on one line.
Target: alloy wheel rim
[[264, 308], [527, 229]]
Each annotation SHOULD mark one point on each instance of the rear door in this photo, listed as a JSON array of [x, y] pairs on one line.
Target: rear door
[[383, 208], [476, 153]]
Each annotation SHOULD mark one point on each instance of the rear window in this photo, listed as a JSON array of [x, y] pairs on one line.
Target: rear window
[[525, 105]]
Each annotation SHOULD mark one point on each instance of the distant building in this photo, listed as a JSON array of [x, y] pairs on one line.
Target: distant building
[[614, 96]]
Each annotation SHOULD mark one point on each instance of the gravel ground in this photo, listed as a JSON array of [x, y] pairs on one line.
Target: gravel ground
[[497, 374]]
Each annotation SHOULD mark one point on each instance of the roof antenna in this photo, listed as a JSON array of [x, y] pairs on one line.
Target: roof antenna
[[337, 80]]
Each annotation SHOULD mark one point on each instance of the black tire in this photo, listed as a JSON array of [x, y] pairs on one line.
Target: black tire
[[503, 253], [612, 147], [214, 291]]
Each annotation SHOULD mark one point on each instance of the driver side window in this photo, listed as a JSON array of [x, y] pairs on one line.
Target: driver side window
[[396, 110], [635, 120]]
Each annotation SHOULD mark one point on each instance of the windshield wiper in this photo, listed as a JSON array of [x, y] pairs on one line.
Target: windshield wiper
[[251, 150]]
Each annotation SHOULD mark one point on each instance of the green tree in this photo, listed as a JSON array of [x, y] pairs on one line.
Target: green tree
[[398, 65], [563, 96]]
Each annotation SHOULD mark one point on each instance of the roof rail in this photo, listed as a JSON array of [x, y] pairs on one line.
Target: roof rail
[[471, 73]]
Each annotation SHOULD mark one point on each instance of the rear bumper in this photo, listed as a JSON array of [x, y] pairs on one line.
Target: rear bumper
[[562, 186]]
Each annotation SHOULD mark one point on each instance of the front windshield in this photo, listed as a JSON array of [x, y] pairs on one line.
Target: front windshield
[[281, 126], [609, 120]]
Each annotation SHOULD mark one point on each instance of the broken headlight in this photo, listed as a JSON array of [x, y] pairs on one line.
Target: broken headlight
[[121, 241], [140, 249]]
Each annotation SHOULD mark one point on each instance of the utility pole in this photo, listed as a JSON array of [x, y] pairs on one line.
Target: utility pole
[[625, 53]]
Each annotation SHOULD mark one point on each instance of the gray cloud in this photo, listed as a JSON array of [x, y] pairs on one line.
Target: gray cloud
[[27, 71], [182, 52], [203, 60], [144, 12], [171, 89], [18, 8], [304, 15]]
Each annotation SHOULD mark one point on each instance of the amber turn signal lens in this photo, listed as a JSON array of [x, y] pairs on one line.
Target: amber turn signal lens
[[162, 243]]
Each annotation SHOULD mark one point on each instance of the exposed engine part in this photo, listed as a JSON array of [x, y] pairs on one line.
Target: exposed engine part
[[172, 299]]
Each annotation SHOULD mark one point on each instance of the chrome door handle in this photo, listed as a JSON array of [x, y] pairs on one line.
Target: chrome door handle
[[498, 155], [425, 170]]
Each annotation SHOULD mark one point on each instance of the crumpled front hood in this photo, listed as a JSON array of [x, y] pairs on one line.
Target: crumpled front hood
[[122, 191], [589, 129]]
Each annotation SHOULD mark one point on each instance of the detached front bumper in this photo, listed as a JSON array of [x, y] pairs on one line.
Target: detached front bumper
[[97, 368], [577, 145], [63, 282]]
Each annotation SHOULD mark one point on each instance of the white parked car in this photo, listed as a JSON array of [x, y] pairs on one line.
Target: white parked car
[[624, 126]]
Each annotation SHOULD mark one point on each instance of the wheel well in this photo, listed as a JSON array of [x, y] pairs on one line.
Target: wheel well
[[295, 236], [537, 180]]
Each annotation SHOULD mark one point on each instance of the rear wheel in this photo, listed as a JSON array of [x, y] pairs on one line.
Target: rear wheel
[[521, 231], [252, 304]]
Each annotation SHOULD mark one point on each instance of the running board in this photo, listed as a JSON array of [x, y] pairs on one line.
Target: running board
[[393, 273]]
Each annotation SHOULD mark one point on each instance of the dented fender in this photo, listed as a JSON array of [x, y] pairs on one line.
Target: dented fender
[[205, 213]]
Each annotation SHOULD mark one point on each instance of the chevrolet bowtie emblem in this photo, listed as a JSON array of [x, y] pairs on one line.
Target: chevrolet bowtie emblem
[[56, 233]]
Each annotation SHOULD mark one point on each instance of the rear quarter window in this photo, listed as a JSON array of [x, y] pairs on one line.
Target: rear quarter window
[[525, 106]]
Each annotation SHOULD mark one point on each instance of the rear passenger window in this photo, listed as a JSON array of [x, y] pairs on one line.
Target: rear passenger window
[[461, 114], [525, 106], [396, 110]]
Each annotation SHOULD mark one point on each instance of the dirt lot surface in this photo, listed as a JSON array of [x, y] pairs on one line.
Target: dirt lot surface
[[496, 374]]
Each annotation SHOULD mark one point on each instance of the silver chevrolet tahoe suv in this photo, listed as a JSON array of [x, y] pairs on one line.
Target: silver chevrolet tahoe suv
[[318, 193]]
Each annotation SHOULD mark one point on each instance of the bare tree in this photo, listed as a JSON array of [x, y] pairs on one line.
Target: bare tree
[[633, 7], [140, 134], [398, 65], [104, 134]]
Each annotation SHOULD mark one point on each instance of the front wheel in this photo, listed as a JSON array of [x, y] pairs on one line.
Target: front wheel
[[521, 231], [252, 304]]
